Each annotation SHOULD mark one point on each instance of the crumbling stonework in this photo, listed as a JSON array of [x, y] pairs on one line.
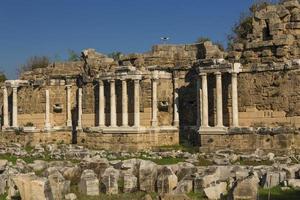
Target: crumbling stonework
[[274, 37], [146, 100]]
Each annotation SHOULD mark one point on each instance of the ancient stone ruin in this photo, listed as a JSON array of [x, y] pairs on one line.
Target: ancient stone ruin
[[244, 99], [103, 126]]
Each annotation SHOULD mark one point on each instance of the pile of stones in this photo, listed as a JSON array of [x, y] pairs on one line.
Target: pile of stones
[[274, 36], [91, 173]]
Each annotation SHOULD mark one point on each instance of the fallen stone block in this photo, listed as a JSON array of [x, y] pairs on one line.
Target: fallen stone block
[[89, 183], [246, 189], [216, 191]]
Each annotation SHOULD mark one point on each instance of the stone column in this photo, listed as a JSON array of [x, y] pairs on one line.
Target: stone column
[[113, 116], [101, 102], [79, 122], [204, 121], [199, 103], [175, 102], [234, 96], [69, 115], [154, 99], [15, 107], [47, 112], [219, 99], [5, 108], [136, 103], [124, 103]]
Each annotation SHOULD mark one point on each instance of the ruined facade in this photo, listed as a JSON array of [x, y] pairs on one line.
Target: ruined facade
[[245, 98]]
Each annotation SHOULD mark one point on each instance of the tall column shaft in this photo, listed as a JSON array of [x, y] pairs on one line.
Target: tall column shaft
[[124, 104], [69, 115], [154, 102], [204, 121], [175, 102], [113, 116], [199, 103], [101, 104], [15, 107], [47, 112], [79, 122], [219, 99], [136, 103], [5, 108], [234, 96]]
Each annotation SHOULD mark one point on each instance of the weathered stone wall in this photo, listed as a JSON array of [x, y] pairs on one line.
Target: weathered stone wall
[[250, 142], [118, 142], [131, 142], [36, 138], [269, 98], [274, 36], [32, 101]]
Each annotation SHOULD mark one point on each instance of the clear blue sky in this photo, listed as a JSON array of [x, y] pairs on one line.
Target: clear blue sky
[[51, 27]]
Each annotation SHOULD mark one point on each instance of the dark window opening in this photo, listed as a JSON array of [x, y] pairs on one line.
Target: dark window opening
[[266, 32]]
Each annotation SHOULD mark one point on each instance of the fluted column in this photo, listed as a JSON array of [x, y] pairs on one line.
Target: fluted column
[[204, 121], [175, 102], [154, 99], [113, 116], [47, 111], [5, 108], [101, 102], [234, 96], [69, 115], [79, 122], [136, 103], [219, 99], [124, 103], [15, 107]]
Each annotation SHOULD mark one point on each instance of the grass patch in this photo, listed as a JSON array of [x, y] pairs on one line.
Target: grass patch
[[3, 196], [182, 147], [9, 158], [28, 148], [278, 194], [29, 159], [204, 162], [196, 195], [255, 163]]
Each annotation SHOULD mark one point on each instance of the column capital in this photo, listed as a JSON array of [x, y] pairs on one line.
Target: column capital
[[3, 87], [202, 74], [100, 82], [136, 80], [111, 80], [218, 73], [234, 74], [68, 86], [154, 75]]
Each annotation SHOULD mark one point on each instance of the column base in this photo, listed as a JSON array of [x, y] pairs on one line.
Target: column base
[[176, 123], [206, 130], [79, 128], [154, 123], [5, 127]]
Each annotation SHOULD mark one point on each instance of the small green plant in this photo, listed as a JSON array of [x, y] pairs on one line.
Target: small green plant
[[3, 196], [204, 162], [28, 148], [279, 194]]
